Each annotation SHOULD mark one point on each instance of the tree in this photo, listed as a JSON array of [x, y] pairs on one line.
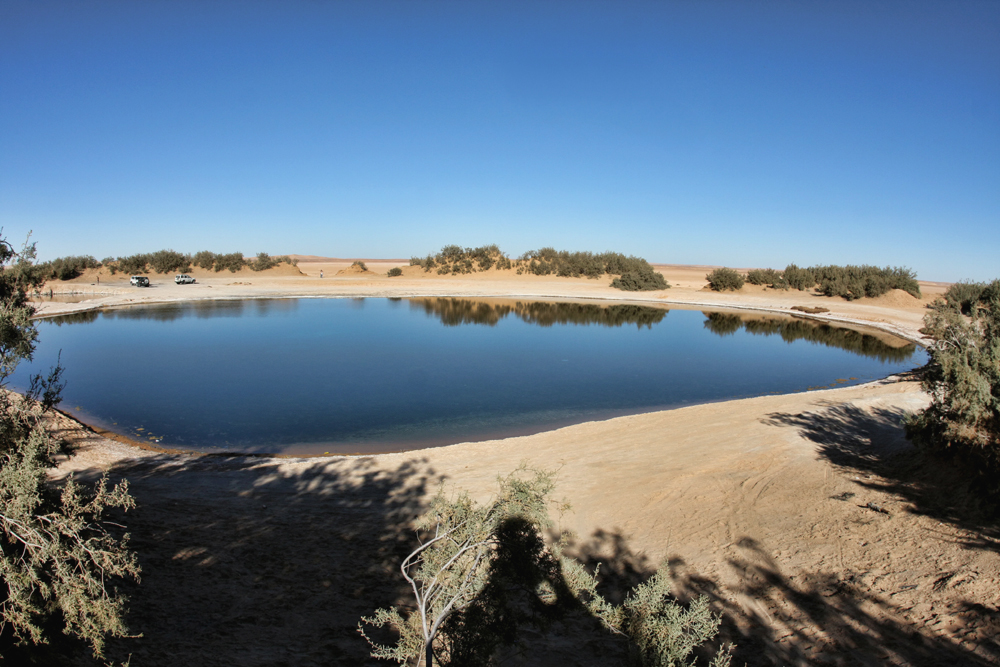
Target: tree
[[59, 553], [482, 571], [963, 378]]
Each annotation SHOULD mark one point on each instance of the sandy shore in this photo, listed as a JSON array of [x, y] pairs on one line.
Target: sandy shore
[[806, 518]]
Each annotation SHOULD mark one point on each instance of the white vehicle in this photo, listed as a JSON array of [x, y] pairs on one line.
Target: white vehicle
[[183, 279], [139, 281]]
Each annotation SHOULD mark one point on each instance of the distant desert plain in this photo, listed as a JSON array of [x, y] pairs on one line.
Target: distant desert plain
[[816, 529]]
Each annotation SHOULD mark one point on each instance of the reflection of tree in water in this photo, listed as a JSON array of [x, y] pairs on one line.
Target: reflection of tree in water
[[75, 318], [176, 311], [455, 312], [725, 324]]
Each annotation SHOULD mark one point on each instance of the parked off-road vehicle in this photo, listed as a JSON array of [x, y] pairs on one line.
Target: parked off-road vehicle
[[183, 279], [139, 281]]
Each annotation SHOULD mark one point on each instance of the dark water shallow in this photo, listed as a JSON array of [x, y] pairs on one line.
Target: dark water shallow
[[308, 376]]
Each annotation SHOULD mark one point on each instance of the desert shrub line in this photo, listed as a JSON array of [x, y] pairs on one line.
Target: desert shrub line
[[849, 282], [66, 268], [161, 261], [633, 273]]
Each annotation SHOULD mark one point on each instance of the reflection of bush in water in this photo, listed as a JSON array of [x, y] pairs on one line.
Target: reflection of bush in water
[[724, 324], [454, 312], [75, 318], [171, 312]]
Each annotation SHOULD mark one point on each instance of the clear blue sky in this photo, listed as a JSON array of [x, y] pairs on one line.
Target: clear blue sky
[[736, 133]]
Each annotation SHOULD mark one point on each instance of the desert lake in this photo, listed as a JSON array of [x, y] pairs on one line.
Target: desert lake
[[314, 376]]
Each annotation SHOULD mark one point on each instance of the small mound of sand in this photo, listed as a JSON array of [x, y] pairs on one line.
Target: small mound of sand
[[354, 269], [896, 298]]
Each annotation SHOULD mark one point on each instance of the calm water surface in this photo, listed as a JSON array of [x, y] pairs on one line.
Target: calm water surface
[[308, 376]]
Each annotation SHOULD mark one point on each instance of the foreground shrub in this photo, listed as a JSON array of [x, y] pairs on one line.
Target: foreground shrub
[[484, 572], [963, 380], [60, 556], [725, 279], [395, 271]]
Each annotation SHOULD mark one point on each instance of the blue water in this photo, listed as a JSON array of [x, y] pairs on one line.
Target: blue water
[[308, 376]]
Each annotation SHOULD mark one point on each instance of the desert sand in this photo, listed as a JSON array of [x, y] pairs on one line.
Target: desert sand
[[815, 528]]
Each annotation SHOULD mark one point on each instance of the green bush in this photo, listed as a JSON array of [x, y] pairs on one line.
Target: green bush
[[800, 279], [854, 282], [963, 380], [233, 261], [547, 261], [763, 276], [643, 280], [169, 261], [359, 265], [61, 555], [962, 296], [395, 271], [725, 279], [262, 262], [483, 573], [66, 268], [134, 263], [456, 259], [204, 260]]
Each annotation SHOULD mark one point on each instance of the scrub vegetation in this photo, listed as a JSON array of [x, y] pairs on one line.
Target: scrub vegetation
[[161, 261], [630, 273], [849, 282], [483, 577], [725, 279], [66, 268], [61, 555], [963, 379]]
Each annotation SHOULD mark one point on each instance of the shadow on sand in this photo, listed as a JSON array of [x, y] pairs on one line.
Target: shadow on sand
[[809, 619], [871, 443], [249, 561], [245, 562]]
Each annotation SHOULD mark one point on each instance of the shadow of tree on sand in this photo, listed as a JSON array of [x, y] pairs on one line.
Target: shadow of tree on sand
[[251, 561], [806, 619], [872, 442]]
